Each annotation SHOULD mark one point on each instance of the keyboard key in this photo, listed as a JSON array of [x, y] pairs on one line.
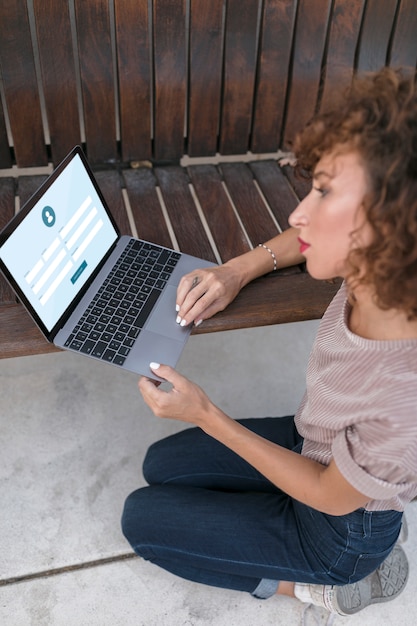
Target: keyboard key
[[99, 349], [119, 359], [88, 346], [147, 308], [109, 355]]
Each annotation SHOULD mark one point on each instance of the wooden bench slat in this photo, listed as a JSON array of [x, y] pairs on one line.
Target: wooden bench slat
[[276, 189], [27, 185], [301, 186], [206, 47], [110, 184], [97, 78], [7, 194], [5, 155], [279, 194], [375, 35], [239, 76], [309, 46], [218, 211], [7, 191], [343, 40], [58, 75], [274, 62], [146, 208], [19, 336], [273, 299], [133, 56], [404, 41], [170, 78], [255, 217], [20, 85], [182, 212]]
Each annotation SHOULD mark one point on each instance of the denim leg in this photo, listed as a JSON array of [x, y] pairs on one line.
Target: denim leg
[[192, 458], [225, 539], [208, 516]]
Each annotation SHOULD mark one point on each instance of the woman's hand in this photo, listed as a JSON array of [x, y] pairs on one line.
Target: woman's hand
[[202, 293], [185, 401]]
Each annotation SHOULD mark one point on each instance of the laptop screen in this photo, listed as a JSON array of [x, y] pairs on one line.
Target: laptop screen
[[58, 245]]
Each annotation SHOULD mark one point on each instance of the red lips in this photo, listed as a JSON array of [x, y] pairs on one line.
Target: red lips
[[303, 245]]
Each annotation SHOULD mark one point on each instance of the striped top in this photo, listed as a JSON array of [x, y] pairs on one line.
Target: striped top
[[360, 408]]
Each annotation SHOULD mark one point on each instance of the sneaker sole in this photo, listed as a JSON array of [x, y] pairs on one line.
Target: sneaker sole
[[386, 583]]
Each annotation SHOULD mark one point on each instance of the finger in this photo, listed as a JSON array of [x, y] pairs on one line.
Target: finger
[[187, 283], [208, 312], [168, 373]]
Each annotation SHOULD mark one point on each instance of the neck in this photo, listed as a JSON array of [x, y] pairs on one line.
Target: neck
[[371, 322]]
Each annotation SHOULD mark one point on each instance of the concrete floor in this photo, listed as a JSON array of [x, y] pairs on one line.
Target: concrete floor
[[72, 437]]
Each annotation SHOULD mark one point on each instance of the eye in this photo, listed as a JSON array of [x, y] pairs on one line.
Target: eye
[[321, 190]]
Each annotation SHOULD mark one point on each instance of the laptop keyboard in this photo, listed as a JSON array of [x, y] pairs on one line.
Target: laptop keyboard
[[113, 321]]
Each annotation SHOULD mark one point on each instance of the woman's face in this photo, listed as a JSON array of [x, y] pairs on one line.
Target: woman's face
[[330, 213]]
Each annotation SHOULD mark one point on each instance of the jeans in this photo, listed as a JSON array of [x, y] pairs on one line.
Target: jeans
[[210, 517]]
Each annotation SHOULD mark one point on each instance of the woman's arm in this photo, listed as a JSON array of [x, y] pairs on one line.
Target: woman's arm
[[218, 286], [319, 486]]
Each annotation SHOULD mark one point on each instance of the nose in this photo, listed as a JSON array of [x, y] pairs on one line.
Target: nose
[[299, 217]]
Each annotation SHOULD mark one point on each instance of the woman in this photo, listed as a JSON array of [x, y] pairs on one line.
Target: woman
[[309, 506]]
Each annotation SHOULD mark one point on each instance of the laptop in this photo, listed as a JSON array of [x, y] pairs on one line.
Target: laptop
[[89, 289]]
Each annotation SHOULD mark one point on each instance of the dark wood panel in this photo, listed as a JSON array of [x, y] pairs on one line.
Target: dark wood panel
[[110, 183], [170, 78], [27, 185], [5, 154], [343, 40], [134, 68], [183, 213], [308, 53], [227, 232], [255, 217], [58, 75], [19, 335], [377, 27], [278, 192], [206, 46], [239, 75], [301, 185], [146, 208], [20, 84], [97, 77], [274, 63], [404, 42], [7, 189], [274, 299]]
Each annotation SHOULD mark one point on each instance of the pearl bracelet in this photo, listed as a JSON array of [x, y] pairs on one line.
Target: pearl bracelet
[[262, 245]]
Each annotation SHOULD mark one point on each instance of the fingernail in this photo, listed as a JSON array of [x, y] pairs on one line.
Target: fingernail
[[198, 323], [177, 307], [178, 320], [154, 366], [183, 323]]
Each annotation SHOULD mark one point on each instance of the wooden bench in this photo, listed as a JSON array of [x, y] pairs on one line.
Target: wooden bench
[[148, 88]]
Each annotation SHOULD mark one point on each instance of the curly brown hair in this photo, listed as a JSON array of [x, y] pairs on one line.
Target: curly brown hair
[[377, 118]]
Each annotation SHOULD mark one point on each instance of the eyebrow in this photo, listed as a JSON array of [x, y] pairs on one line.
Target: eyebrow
[[322, 173]]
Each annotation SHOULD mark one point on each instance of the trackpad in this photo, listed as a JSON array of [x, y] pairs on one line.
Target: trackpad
[[162, 319]]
